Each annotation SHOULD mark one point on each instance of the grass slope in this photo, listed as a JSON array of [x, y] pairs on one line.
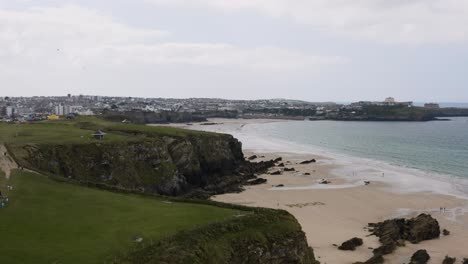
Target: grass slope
[[52, 222], [81, 130]]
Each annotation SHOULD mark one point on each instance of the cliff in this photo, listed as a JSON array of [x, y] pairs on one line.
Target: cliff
[[165, 165], [255, 236]]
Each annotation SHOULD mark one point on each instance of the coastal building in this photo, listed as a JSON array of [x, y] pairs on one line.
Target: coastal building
[[432, 105], [389, 100], [11, 111], [61, 110]]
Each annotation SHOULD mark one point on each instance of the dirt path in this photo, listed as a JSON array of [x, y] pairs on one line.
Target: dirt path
[[7, 164]]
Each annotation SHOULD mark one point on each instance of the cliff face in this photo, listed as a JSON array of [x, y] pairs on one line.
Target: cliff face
[[164, 165], [257, 236]]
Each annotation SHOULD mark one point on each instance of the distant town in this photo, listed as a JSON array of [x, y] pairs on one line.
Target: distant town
[[39, 108]]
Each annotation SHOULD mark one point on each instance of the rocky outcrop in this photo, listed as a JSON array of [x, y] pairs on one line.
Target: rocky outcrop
[[308, 161], [255, 167], [376, 259], [256, 181], [449, 260], [252, 157], [393, 233], [420, 257], [278, 159], [423, 227], [351, 244]]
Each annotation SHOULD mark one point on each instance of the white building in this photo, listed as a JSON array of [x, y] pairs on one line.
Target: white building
[[11, 111], [62, 110]]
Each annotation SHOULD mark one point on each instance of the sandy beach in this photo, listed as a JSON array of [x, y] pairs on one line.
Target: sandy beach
[[330, 214]]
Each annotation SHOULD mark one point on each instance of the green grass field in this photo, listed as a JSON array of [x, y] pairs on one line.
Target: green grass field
[[51, 222], [49, 132], [81, 130]]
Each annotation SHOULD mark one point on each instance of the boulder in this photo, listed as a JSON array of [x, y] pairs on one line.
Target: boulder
[[275, 173], [280, 185], [420, 257], [376, 259], [351, 244], [289, 169], [256, 181], [449, 260], [422, 227], [465, 261], [308, 161], [307, 173], [445, 232], [252, 157], [248, 167], [278, 159], [385, 249], [281, 164]]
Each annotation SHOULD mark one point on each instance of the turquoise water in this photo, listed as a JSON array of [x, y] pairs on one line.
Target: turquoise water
[[437, 146]]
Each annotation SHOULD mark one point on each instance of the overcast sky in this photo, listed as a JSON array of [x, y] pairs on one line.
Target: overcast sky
[[316, 50]]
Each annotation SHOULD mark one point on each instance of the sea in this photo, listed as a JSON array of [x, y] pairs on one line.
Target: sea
[[413, 156]]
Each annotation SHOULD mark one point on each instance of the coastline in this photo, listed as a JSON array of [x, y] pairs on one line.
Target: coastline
[[331, 214]]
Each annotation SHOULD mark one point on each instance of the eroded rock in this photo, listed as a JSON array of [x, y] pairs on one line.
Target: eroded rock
[[394, 232], [445, 232], [449, 260], [351, 244], [376, 259], [420, 257], [256, 181], [252, 157]]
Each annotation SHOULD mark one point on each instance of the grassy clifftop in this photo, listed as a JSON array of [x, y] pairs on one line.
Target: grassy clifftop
[[81, 130], [160, 160]]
